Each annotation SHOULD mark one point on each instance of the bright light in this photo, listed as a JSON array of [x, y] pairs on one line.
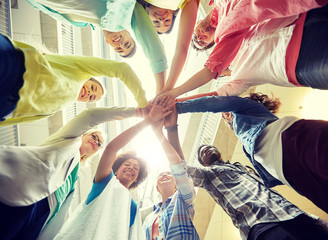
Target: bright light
[[314, 105], [149, 148]]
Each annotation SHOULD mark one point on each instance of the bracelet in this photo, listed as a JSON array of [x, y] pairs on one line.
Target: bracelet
[[172, 128]]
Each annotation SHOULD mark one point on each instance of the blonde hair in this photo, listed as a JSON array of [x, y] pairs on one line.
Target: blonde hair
[[83, 159], [104, 92]]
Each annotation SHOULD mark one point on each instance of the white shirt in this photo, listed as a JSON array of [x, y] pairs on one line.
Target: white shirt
[[260, 60], [268, 147]]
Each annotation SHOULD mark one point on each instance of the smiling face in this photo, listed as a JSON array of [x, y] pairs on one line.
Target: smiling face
[[160, 17], [203, 35], [208, 154], [91, 143], [128, 172], [166, 182], [121, 42], [90, 91]]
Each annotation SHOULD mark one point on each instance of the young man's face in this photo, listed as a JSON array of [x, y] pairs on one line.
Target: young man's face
[[121, 42], [208, 154], [203, 35], [165, 180]]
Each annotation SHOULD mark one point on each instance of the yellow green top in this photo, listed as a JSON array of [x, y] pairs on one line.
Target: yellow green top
[[52, 82]]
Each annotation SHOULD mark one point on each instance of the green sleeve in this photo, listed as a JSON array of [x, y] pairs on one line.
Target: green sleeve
[[147, 37], [93, 66]]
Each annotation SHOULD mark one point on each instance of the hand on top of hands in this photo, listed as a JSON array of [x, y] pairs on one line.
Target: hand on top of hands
[[160, 108], [171, 119]]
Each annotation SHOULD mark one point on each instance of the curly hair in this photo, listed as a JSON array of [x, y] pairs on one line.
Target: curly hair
[[272, 103], [143, 172]]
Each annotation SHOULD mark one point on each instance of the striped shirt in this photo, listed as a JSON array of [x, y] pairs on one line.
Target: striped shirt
[[243, 196], [176, 213]]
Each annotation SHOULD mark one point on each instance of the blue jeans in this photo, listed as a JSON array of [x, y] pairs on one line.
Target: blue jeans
[[23, 222], [12, 68], [312, 64]]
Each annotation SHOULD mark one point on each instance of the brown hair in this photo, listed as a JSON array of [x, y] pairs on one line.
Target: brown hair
[[272, 103], [194, 46], [143, 173]]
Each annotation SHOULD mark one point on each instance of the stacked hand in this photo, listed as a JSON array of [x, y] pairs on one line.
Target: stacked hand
[[160, 108]]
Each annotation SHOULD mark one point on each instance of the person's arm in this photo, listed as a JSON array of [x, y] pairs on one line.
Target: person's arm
[[178, 167], [233, 88], [93, 66], [218, 104], [186, 28], [88, 119], [199, 79], [107, 159], [152, 46], [197, 175]]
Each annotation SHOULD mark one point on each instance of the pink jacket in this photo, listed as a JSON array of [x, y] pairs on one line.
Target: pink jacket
[[236, 20]]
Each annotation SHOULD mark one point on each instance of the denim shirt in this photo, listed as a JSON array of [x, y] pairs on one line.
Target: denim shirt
[[250, 118]]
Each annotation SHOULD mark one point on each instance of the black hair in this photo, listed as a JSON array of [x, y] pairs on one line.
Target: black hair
[[218, 158], [143, 173]]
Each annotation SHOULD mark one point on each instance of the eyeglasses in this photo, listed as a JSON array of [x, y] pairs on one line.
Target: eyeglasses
[[97, 140], [199, 44]]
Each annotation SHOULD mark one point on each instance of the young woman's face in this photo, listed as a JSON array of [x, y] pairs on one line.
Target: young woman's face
[[161, 18], [121, 42], [128, 172], [90, 91], [203, 35], [91, 143]]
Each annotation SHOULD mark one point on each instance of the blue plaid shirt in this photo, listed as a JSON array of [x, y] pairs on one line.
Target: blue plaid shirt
[[176, 213]]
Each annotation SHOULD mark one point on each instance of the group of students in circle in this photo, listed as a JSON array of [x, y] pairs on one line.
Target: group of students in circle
[[254, 42]]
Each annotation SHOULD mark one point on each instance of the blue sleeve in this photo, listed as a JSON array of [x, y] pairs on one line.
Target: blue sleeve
[[98, 187], [224, 104], [147, 37], [133, 211]]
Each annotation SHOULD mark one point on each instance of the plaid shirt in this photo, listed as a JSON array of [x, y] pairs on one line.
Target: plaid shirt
[[242, 195], [176, 213]]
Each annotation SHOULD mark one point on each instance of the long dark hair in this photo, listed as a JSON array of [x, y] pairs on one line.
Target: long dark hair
[[143, 173], [272, 103]]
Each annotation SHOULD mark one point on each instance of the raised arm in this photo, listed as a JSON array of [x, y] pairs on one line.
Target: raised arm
[[151, 45], [199, 79], [89, 119], [109, 155], [178, 167], [186, 28]]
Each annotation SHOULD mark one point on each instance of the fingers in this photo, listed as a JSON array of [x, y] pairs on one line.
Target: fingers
[[165, 101], [166, 113]]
